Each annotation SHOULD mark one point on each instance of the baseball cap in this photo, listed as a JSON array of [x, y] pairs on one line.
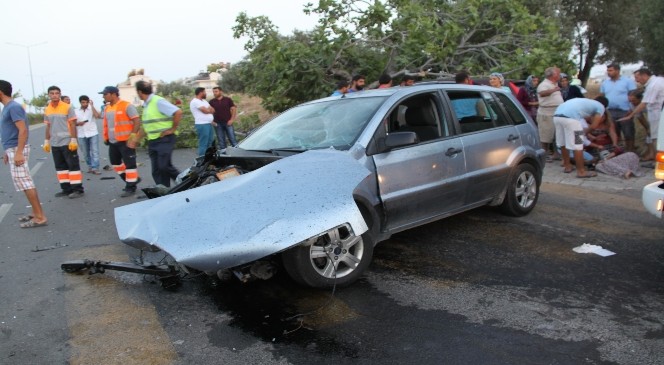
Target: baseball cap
[[110, 89]]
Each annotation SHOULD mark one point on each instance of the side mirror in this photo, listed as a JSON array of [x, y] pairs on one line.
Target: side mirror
[[400, 139]]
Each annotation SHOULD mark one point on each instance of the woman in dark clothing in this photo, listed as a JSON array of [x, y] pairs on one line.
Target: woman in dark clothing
[[527, 96], [569, 91]]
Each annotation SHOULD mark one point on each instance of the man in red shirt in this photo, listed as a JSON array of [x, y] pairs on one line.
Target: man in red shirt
[[225, 113]]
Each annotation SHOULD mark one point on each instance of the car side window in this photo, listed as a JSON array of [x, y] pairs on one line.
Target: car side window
[[496, 113], [420, 115], [513, 111], [471, 110]]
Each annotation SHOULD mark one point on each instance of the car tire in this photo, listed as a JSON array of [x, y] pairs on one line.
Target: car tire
[[522, 191], [337, 257]]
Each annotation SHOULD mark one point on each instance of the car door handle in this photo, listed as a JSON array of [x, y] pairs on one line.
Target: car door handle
[[512, 138], [453, 151]]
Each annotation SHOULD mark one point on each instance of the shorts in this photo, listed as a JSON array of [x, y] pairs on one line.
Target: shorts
[[626, 127], [569, 133], [546, 128], [20, 174]]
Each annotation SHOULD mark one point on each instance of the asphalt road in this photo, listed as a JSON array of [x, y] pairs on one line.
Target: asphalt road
[[477, 288]]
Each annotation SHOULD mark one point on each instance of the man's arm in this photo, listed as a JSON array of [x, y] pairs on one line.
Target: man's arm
[[19, 159], [639, 108], [233, 115], [95, 113], [548, 92]]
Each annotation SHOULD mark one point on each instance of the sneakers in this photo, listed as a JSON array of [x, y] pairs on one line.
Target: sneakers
[[95, 172], [60, 194], [76, 194], [127, 193]]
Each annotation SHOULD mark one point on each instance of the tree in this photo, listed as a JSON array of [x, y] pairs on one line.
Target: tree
[[175, 89], [40, 101], [231, 80], [651, 31], [602, 32], [431, 38]]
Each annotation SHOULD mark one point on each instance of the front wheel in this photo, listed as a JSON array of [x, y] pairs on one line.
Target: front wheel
[[335, 257], [522, 191]]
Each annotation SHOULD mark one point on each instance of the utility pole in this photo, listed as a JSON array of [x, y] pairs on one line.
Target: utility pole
[[27, 47]]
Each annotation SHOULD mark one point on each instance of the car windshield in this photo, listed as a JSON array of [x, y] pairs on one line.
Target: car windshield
[[335, 123]]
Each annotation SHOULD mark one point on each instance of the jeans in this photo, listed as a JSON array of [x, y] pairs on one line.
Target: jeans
[[89, 147], [222, 130], [205, 137]]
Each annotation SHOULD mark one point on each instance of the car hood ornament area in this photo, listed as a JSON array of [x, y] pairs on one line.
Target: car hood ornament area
[[248, 217]]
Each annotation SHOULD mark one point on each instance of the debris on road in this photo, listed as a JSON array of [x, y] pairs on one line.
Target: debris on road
[[57, 245], [587, 248]]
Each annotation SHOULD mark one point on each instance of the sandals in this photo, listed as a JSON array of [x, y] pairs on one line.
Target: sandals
[[587, 175], [568, 170], [33, 224], [25, 218]]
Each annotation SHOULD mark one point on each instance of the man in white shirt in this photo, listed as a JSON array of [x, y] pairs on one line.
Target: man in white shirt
[[203, 116], [653, 100], [88, 134]]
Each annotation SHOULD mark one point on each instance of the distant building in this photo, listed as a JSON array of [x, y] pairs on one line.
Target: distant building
[[206, 80], [128, 87]]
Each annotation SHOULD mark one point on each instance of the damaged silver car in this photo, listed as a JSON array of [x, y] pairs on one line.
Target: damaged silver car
[[317, 187]]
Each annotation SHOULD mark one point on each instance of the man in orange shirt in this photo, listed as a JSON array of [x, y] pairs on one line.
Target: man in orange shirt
[[60, 138], [121, 126]]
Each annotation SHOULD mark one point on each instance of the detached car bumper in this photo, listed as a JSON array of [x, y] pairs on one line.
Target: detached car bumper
[[653, 198]]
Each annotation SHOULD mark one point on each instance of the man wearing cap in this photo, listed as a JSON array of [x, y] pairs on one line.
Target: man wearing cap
[[160, 122], [60, 139], [121, 127]]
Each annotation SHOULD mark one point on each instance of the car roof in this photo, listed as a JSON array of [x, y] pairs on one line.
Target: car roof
[[405, 90]]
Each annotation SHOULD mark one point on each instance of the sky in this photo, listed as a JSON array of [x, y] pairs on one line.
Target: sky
[[91, 44]]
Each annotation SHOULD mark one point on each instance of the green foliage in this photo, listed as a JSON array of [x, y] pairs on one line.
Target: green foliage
[[651, 29], [426, 37], [601, 30], [175, 90], [231, 80], [40, 101], [35, 118]]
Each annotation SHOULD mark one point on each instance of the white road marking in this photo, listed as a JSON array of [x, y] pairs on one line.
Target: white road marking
[[38, 165], [4, 209]]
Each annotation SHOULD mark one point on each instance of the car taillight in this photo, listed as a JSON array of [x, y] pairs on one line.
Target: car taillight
[[659, 165]]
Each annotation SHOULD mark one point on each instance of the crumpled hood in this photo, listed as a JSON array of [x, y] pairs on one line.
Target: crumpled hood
[[245, 218]]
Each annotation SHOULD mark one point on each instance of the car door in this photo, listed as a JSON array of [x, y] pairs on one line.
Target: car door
[[422, 181], [489, 140]]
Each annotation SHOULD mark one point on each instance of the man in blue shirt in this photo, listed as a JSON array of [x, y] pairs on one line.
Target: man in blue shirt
[[568, 119], [14, 134], [616, 88]]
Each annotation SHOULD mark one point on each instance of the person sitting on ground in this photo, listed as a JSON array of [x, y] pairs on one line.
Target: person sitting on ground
[[568, 90], [624, 165], [342, 88], [604, 137]]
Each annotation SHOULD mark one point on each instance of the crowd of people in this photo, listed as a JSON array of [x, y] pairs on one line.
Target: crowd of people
[[614, 134], [586, 134], [602, 133], [71, 134]]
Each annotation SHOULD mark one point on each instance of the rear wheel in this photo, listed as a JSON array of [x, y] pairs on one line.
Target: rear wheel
[[522, 191], [336, 257]]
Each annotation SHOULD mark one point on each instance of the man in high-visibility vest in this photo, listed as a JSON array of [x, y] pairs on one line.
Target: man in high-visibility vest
[[159, 124], [60, 139], [121, 127]]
